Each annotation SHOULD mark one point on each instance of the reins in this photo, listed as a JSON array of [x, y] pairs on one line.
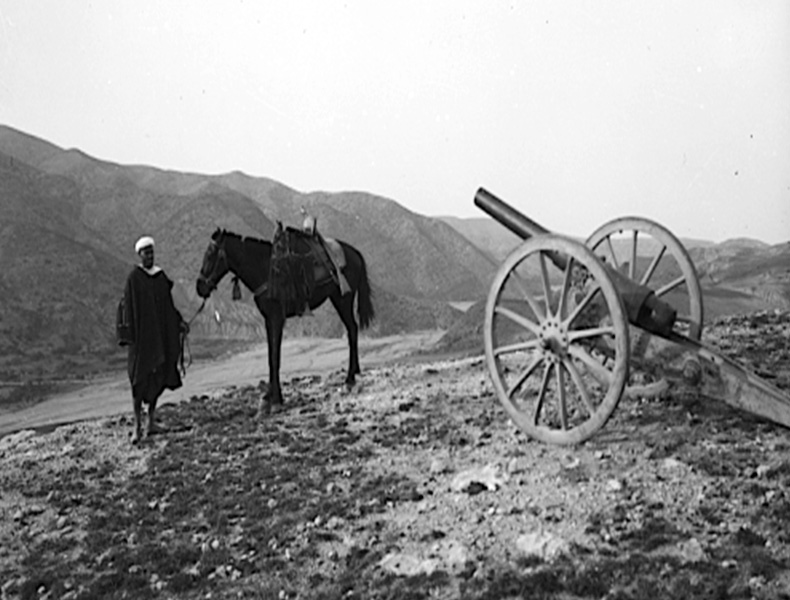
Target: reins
[[185, 341]]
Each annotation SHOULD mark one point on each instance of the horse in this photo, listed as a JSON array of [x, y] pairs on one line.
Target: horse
[[249, 259]]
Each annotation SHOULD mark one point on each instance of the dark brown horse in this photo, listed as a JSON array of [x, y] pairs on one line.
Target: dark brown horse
[[249, 259]]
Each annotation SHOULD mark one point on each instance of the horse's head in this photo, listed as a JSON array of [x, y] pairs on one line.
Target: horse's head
[[215, 265]]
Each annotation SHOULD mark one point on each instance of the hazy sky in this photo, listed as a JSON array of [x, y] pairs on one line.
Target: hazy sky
[[575, 112]]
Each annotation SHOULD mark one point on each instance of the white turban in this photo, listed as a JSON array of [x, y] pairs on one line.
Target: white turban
[[143, 242]]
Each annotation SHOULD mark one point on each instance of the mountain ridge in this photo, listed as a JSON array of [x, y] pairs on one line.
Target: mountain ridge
[[68, 222]]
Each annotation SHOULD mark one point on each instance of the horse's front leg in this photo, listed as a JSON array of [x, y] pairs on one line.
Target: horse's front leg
[[274, 337]]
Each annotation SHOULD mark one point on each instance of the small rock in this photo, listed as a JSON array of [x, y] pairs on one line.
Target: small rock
[[691, 551], [541, 544], [408, 565], [672, 463], [614, 485], [334, 522], [438, 466], [475, 481], [515, 466]]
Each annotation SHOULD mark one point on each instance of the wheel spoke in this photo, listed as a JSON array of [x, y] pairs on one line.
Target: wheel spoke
[[562, 398], [577, 379], [615, 264], [544, 384], [566, 284], [518, 347], [522, 287], [632, 268], [583, 304], [599, 371], [518, 319], [651, 269], [524, 376], [544, 275], [579, 334], [670, 286]]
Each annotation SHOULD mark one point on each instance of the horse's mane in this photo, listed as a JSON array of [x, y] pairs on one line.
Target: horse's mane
[[245, 238]]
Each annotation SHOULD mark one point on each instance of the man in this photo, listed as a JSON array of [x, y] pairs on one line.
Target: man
[[155, 328]]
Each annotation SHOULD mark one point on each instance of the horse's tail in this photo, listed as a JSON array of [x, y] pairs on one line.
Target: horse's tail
[[364, 296]]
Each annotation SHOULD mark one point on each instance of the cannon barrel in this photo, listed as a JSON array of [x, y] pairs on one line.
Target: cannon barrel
[[644, 309], [501, 211], [521, 225]]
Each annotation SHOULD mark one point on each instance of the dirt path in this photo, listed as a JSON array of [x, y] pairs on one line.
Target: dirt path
[[309, 356]]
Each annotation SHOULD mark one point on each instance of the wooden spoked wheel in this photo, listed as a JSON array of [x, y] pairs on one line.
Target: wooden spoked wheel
[[651, 255], [556, 340]]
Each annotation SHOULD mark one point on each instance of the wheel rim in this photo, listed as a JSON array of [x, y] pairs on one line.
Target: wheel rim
[[672, 275], [556, 340]]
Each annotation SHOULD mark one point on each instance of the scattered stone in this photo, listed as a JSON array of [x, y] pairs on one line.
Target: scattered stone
[[475, 481], [438, 467], [452, 556], [672, 463], [541, 544], [515, 466], [408, 565]]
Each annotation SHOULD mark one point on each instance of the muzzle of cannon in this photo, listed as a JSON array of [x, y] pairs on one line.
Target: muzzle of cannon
[[643, 308]]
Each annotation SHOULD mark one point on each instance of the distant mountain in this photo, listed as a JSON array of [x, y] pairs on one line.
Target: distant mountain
[[739, 276], [69, 221]]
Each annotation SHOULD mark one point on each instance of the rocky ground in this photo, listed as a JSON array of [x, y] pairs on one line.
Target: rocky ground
[[413, 485]]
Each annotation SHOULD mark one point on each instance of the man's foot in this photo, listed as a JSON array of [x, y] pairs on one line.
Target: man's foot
[[154, 429]]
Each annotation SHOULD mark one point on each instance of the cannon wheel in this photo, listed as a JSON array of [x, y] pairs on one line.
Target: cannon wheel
[[556, 340], [677, 284]]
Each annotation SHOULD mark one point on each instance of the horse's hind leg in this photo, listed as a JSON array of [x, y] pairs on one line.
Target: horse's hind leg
[[344, 305]]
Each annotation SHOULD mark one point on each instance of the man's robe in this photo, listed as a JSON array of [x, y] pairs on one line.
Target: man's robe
[[155, 325]]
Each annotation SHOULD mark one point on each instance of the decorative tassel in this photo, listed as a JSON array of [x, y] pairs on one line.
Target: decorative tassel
[[236, 289]]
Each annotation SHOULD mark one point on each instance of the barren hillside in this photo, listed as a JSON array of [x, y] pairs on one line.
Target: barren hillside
[[412, 485]]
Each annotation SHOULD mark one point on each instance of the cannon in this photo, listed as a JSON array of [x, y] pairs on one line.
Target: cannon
[[567, 321]]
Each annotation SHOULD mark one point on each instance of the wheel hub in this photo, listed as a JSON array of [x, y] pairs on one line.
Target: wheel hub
[[553, 340]]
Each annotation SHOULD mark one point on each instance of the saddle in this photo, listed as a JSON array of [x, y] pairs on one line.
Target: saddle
[[300, 262]]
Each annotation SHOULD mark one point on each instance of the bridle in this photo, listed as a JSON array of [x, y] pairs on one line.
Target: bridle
[[222, 259], [212, 285]]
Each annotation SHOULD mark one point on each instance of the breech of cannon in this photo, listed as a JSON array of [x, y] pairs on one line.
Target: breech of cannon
[[644, 309]]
